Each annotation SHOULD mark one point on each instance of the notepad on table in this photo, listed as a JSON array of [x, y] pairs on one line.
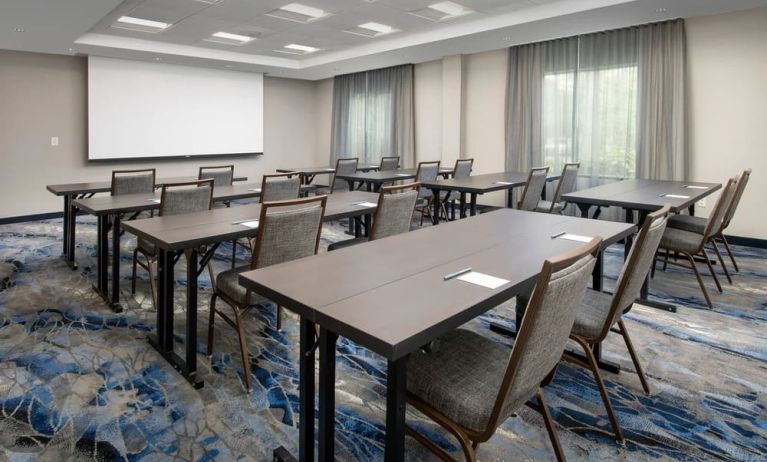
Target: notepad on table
[[366, 204], [503, 182], [403, 174], [575, 237], [247, 223], [675, 196], [255, 189], [481, 279], [692, 186], [156, 201]]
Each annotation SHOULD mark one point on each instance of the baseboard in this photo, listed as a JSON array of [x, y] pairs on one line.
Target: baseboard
[[747, 241]]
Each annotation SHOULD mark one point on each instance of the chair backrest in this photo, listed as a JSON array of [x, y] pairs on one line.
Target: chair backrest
[[221, 175], [281, 187], [716, 219], [463, 168], [288, 230], [638, 263], [395, 210], [427, 172], [742, 182], [389, 163], [192, 196], [566, 183], [531, 195], [344, 166], [545, 327], [133, 181]]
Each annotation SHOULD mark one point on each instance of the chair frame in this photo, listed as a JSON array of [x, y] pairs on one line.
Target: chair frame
[[288, 175], [149, 265], [216, 167], [708, 234], [742, 182], [241, 310], [116, 173], [587, 344], [380, 165], [390, 190], [452, 203], [338, 161], [426, 209], [469, 439], [527, 184], [558, 191]]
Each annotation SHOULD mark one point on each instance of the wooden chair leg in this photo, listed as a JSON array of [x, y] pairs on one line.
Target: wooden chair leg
[[729, 252], [700, 280], [711, 270], [634, 358], [135, 264], [551, 428], [721, 261], [243, 349], [592, 362], [211, 321]]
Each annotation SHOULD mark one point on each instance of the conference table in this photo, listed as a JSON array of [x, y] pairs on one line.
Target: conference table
[[73, 191], [479, 184], [406, 302], [642, 196], [197, 235], [374, 180], [310, 172], [109, 210]]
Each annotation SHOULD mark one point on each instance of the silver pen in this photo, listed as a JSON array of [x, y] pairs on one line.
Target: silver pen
[[559, 234], [457, 273]]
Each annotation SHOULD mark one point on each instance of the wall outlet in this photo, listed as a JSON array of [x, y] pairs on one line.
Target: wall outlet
[[702, 203], [54, 141]]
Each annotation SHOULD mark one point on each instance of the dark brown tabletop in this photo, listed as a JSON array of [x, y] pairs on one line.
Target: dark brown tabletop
[[106, 186], [177, 232], [324, 169], [389, 295], [108, 205], [387, 176], [640, 194], [480, 184]]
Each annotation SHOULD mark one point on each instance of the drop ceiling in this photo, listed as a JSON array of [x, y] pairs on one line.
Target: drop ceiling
[[86, 27]]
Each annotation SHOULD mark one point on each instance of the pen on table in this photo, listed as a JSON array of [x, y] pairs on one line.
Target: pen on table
[[239, 222], [559, 234], [457, 273]]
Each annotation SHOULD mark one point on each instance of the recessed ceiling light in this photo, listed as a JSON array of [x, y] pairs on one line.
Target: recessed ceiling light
[[230, 39], [297, 12], [660, 10], [142, 25], [371, 29], [18, 29], [442, 11], [296, 49]]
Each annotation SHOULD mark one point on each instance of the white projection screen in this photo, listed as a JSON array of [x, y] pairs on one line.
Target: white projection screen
[[149, 110]]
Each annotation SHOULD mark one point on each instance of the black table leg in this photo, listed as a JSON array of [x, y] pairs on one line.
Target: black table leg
[[65, 228], [114, 300], [510, 198], [102, 257], [598, 273], [190, 371], [473, 204], [584, 208], [327, 395], [68, 247], [435, 206], [463, 205], [396, 387], [366, 221], [628, 240], [691, 209]]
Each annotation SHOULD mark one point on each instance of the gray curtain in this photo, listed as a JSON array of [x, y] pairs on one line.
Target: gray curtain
[[614, 101], [373, 115]]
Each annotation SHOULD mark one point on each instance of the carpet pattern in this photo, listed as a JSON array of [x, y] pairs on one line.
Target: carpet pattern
[[78, 382]]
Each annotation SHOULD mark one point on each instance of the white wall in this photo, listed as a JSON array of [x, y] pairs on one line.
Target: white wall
[[45, 95], [727, 59], [428, 111]]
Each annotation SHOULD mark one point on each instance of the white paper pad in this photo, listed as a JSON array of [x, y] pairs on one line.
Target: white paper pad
[[503, 182], [575, 237], [249, 224], [676, 196], [366, 204], [690, 186], [484, 280], [255, 189], [156, 201], [403, 174]]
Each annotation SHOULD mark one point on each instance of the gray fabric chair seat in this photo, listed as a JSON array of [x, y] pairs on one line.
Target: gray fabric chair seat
[[453, 381], [545, 206], [146, 247], [688, 223], [228, 283], [591, 317], [679, 239]]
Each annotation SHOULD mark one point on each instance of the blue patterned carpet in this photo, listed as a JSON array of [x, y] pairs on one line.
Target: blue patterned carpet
[[78, 382]]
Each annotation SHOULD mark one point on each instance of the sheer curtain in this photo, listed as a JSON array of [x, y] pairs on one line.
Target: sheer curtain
[[613, 101], [373, 115]]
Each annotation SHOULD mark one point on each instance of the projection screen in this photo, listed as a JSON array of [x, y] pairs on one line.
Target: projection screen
[[149, 110]]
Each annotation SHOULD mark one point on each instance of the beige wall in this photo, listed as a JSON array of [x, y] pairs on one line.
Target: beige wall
[[727, 58], [45, 95], [428, 111]]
